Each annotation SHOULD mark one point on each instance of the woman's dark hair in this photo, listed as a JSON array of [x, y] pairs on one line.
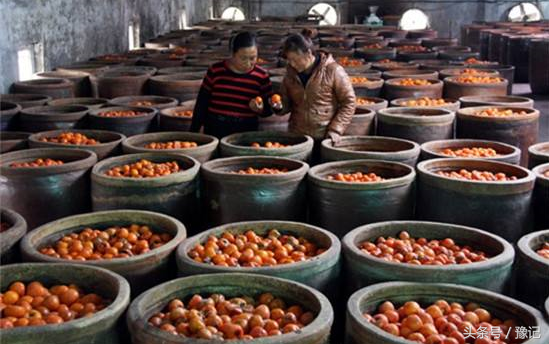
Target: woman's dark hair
[[241, 40], [299, 43]]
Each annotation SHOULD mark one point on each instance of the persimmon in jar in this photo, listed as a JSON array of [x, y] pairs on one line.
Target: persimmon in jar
[[171, 145], [474, 175], [364, 101], [411, 48], [121, 113], [470, 152], [220, 317], [495, 112], [443, 322], [421, 251], [142, 103], [472, 79], [32, 304], [40, 162], [355, 177], [348, 62], [544, 250], [71, 138], [359, 80], [144, 169], [109, 243], [424, 101], [184, 113], [263, 170], [413, 82], [472, 71], [373, 46], [474, 61], [268, 144], [250, 249]]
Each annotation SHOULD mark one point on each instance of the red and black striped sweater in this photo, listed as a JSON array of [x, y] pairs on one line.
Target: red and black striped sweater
[[225, 95]]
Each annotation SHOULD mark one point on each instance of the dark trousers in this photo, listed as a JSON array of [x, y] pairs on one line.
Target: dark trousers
[[221, 126], [316, 157]]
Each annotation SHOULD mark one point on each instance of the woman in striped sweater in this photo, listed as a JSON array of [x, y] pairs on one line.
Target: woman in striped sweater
[[227, 103]]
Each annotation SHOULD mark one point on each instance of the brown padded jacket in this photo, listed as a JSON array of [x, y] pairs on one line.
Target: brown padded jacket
[[327, 103]]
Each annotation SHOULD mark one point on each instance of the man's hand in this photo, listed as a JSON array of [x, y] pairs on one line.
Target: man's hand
[[276, 102], [256, 105]]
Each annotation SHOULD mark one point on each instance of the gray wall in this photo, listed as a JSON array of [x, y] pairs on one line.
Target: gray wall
[[282, 8], [499, 10], [446, 15], [75, 30]]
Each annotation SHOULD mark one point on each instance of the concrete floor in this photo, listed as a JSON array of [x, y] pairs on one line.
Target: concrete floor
[[541, 103]]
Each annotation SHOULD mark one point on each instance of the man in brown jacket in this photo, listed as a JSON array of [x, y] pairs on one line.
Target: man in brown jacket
[[316, 90]]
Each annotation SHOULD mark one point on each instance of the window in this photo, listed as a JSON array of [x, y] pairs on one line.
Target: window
[[233, 13], [183, 19], [211, 12], [30, 60], [133, 35], [414, 19], [525, 11], [325, 11], [25, 62]]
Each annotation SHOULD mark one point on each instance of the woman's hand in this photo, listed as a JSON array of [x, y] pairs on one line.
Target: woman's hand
[[256, 105], [335, 137]]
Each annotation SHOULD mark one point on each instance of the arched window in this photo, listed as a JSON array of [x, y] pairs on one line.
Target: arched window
[[525, 11], [233, 13], [414, 19], [326, 11]]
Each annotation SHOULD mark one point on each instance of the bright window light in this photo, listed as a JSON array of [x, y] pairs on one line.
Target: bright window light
[[133, 36], [414, 19], [525, 11], [183, 19], [131, 42], [326, 11], [25, 62], [233, 13]]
